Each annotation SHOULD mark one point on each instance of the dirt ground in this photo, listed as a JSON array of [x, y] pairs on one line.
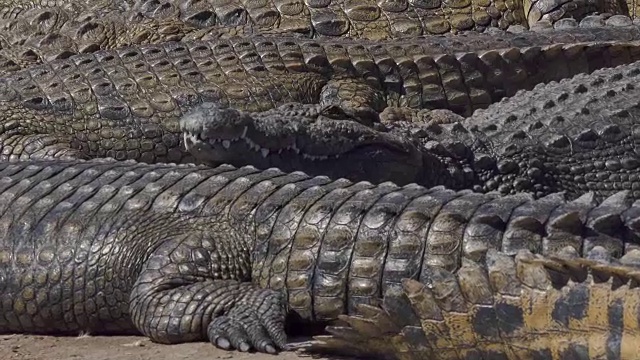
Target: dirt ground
[[34, 347]]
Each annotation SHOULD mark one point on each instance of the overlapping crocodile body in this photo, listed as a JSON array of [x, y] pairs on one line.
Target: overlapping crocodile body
[[125, 103], [528, 248], [102, 24], [376, 19], [578, 135], [361, 19], [48, 32], [508, 308], [168, 250]]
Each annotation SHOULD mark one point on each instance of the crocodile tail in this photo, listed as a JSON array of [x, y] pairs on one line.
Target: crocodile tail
[[523, 307]]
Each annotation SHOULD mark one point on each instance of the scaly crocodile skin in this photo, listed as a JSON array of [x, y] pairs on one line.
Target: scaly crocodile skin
[[10, 9], [373, 19], [57, 34], [126, 103], [578, 135], [168, 250], [529, 307], [367, 19]]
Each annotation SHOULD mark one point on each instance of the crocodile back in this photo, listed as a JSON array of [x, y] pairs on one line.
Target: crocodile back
[[578, 135], [73, 238], [334, 246]]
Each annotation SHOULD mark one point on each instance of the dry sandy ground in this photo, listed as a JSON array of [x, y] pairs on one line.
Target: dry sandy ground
[[33, 347]]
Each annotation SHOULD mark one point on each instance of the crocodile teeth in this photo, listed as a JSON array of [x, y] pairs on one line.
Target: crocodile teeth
[[264, 152], [252, 145], [315, 157], [244, 133], [226, 144], [187, 137], [186, 144]]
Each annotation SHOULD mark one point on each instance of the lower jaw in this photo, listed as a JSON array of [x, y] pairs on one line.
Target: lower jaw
[[360, 167], [364, 166], [239, 154]]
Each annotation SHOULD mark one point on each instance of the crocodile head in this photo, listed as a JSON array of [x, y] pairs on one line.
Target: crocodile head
[[318, 140]]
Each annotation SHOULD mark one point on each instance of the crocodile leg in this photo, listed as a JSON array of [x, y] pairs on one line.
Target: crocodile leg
[[529, 306], [193, 302], [153, 269]]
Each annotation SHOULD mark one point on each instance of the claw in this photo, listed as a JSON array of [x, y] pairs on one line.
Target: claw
[[222, 343], [245, 327], [244, 347], [270, 349]]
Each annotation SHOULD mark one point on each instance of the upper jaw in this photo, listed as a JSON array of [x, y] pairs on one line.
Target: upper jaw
[[215, 149]]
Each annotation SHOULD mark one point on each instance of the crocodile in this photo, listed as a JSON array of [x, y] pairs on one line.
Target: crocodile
[[180, 252], [378, 20], [359, 19], [522, 307], [370, 20], [126, 103], [58, 32], [576, 135]]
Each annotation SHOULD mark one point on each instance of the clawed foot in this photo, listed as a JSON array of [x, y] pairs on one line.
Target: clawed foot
[[255, 323]]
